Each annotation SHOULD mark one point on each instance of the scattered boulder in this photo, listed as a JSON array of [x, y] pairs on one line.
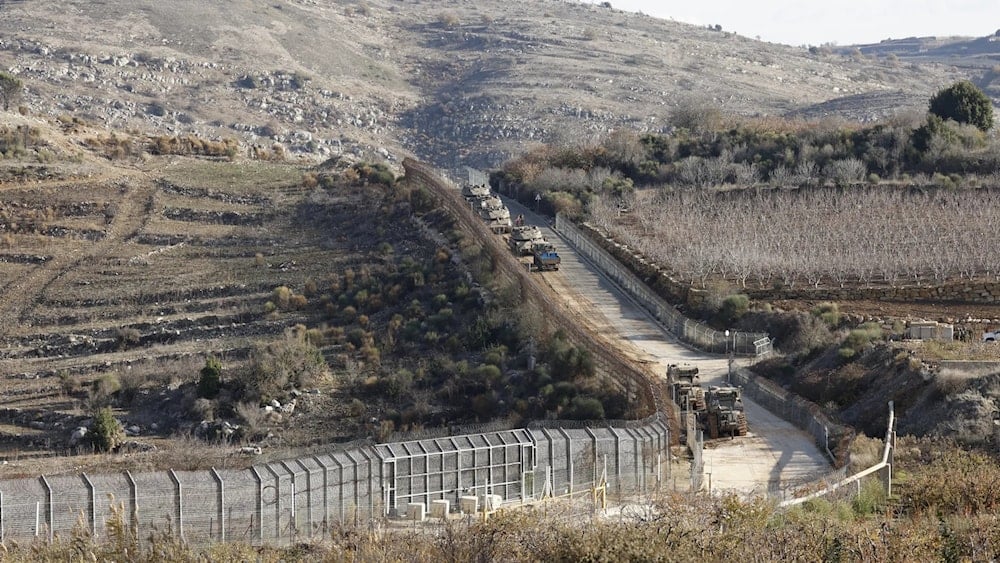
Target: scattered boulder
[[133, 446], [78, 434]]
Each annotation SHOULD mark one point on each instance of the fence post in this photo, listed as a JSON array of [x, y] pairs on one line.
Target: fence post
[[593, 441], [259, 509], [180, 504], [340, 486], [618, 458], [309, 496], [277, 501], [357, 494], [569, 457], [222, 504], [92, 509], [50, 517], [294, 523], [552, 455], [133, 491], [326, 492]]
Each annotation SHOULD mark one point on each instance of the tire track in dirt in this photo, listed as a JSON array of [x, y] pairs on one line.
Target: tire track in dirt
[[23, 294]]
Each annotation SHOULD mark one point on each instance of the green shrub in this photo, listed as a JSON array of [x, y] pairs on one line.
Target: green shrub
[[210, 379], [584, 408], [733, 307], [829, 313], [106, 434]]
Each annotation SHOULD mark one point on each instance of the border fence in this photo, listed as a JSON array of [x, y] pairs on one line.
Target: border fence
[[701, 336], [292, 500]]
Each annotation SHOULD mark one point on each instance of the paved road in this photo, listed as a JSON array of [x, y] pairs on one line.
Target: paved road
[[775, 455]]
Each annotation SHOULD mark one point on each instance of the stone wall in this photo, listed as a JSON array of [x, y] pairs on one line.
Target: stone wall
[[956, 292]]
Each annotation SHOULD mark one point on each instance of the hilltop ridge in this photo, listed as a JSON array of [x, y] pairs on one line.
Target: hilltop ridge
[[454, 83]]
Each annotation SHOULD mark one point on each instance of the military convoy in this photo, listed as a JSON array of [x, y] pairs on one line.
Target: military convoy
[[523, 240], [719, 410]]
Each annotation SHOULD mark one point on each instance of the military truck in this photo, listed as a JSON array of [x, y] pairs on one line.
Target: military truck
[[688, 393], [544, 256], [725, 412]]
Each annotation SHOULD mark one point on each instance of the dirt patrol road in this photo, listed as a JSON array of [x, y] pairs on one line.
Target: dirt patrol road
[[774, 456]]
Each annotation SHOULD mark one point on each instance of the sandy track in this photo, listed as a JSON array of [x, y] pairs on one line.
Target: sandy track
[[774, 456]]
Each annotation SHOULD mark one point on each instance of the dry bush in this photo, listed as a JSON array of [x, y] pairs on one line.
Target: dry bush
[[449, 19], [947, 384], [132, 382], [251, 417], [290, 361], [865, 452], [126, 337], [202, 409], [102, 390], [191, 145]]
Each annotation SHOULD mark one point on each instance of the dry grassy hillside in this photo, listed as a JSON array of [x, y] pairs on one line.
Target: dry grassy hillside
[[453, 82]]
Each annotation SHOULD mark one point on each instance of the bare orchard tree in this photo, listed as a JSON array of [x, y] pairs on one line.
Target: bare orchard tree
[[806, 173], [820, 237], [780, 176], [846, 171], [746, 173]]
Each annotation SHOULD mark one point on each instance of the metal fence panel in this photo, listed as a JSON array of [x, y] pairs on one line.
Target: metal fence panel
[[111, 490], [200, 507], [241, 506], [158, 510]]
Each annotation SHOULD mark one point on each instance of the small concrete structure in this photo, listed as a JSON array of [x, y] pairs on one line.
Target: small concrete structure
[[930, 330], [492, 502], [440, 508], [415, 511], [468, 505]]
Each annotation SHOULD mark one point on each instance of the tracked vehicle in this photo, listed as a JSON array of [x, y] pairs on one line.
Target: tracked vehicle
[[688, 393], [725, 412]]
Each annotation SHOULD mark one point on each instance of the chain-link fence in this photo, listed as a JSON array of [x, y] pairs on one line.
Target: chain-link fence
[[831, 437], [700, 336], [293, 500]]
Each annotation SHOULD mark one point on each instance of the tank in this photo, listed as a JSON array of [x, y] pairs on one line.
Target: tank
[[498, 220], [725, 412], [475, 190], [522, 237], [488, 201]]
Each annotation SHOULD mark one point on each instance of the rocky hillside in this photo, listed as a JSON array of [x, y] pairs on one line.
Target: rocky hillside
[[453, 82]]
